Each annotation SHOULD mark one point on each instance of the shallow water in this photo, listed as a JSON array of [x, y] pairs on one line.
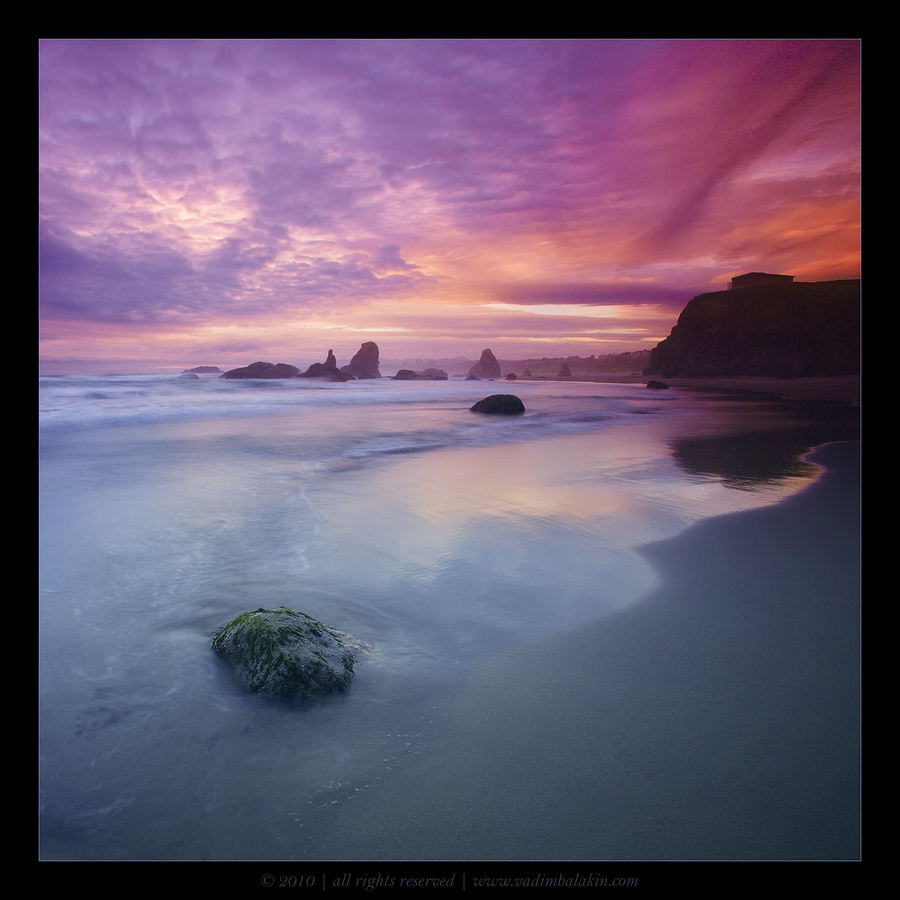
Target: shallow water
[[442, 538]]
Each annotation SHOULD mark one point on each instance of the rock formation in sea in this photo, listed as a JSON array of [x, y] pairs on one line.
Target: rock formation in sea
[[500, 405], [564, 371], [365, 363], [263, 370], [486, 367], [782, 330], [657, 386], [209, 370], [327, 370], [427, 375], [285, 653]]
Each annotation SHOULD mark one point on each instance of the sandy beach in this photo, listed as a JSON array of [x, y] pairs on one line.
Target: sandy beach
[[622, 627], [717, 719]]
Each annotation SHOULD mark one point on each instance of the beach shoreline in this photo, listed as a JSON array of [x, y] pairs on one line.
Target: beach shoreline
[[554, 677], [836, 389], [724, 712]]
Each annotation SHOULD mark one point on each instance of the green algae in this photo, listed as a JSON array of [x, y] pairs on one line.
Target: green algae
[[285, 653]]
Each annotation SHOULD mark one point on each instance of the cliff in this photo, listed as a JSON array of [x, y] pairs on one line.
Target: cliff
[[791, 330]]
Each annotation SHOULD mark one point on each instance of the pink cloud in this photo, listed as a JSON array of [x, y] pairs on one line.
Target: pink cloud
[[186, 183]]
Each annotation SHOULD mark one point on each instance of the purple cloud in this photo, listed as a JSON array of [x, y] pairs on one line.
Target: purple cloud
[[185, 182]]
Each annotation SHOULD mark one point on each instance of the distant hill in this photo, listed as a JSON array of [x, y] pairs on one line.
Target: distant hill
[[797, 330], [630, 361], [633, 361]]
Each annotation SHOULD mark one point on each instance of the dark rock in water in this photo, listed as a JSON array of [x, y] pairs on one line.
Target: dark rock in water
[[427, 375], [284, 653], [657, 385], [564, 372], [500, 405], [471, 377], [263, 370], [327, 370], [365, 363], [803, 329], [512, 377], [322, 370], [203, 370], [189, 376], [486, 367]]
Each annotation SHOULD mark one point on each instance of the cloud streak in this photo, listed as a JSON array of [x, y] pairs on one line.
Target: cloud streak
[[188, 185]]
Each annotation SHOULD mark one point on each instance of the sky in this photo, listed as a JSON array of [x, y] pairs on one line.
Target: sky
[[222, 202]]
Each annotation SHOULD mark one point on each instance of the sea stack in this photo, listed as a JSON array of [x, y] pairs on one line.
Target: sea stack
[[365, 363], [486, 367], [427, 375], [327, 370], [263, 370]]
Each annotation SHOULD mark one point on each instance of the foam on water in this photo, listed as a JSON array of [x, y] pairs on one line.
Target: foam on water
[[97, 401]]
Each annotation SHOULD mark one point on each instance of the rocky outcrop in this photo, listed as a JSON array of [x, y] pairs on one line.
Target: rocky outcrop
[[657, 386], [486, 367], [201, 370], [327, 370], [565, 371], [794, 330], [263, 370], [427, 375], [365, 363], [321, 370], [500, 405], [285, 653]]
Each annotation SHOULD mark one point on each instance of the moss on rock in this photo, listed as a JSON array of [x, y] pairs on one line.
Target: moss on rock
[[285, 653]]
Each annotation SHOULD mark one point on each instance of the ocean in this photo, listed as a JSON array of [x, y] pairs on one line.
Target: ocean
[[455, 544]]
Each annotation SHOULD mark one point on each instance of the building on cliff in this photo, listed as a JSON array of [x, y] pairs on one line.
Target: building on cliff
[[751, 279]]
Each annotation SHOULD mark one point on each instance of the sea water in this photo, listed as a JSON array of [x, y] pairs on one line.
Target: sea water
[[388, 510]]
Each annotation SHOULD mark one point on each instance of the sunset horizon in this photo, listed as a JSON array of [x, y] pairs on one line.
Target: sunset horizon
[[220, 202]]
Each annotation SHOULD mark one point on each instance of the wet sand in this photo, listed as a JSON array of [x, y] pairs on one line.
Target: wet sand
[[569, 669], [718, 719], [837, 389]]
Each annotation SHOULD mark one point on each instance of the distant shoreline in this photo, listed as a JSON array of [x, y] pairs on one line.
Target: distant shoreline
[[844, 388]]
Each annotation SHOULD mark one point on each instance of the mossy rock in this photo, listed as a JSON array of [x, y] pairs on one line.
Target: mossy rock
[[285, 653]]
